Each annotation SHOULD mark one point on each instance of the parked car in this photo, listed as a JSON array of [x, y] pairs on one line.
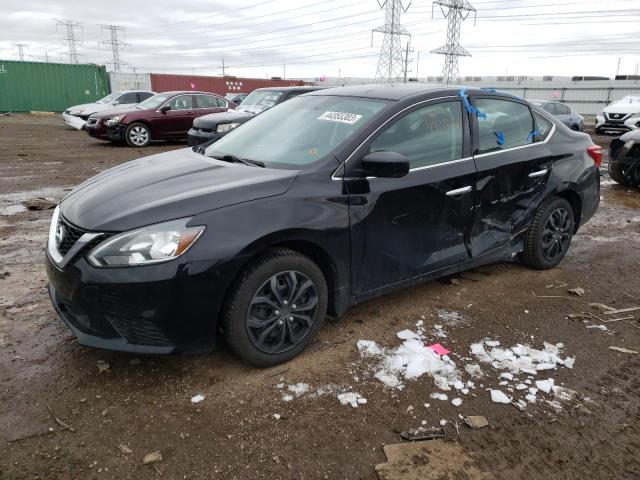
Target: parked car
[[211, 127], [620, 116], [77, 116], [166, 115], [320, 203], [562, 112], [236, 98], [624, 159]]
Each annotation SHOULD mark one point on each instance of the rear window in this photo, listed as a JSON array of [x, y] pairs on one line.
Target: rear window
[[543, 127], [505, 124]]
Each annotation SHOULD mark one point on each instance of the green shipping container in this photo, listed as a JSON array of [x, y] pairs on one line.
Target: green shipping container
[[49, 87]]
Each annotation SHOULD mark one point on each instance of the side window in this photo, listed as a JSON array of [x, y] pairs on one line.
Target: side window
[[543, 127], [562, 109], [181, 102], [222, 103], [144, 95], [507, 124], [128, 98], [549, 107], [426, 136], [206, 101]]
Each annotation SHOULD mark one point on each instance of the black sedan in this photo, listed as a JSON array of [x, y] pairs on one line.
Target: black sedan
[[320, 203], [209, 128]]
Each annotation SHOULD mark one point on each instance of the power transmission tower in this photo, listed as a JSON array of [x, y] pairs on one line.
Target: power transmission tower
[[115, 44], [391, 63], [455, 11], [21, 47], [72, 42]]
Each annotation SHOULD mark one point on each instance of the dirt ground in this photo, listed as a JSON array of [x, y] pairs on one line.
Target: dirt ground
[[109, 419]]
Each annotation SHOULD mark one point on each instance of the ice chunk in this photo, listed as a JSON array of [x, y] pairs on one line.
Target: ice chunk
[[521, 386], [499, 397], [299, 388], [351, 398], [545, 385], [197, 398], [407, 334], [439, 396], [507, 376], [473, 369], [368, 348], [456, 402], [569, 361]]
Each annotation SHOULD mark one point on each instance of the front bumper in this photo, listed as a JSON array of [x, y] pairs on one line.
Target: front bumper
[[197, 137], [603, 123], [116, 133], [73, 121], [96, 130], [157, 309]]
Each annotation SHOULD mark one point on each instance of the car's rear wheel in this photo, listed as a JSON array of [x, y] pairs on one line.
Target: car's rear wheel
[[275, 308], [549, 236], [137, 135]]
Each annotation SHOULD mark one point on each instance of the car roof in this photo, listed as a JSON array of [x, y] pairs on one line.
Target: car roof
[[295, 88], [187, 92], [134, 91], [399, 91]]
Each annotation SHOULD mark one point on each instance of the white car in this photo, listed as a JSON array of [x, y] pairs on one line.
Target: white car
[[620, 116], [77, 116]]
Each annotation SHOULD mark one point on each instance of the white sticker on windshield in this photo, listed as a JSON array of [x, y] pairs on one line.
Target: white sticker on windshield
[[341, 117]]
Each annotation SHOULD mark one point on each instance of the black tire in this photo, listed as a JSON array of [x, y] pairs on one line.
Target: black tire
[[617, 174], [137, 135], [549, 236], [259, 325]]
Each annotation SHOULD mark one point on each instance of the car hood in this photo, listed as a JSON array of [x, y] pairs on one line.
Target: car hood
[[213, 119], [623, 108], [116, 110], [89, 108], [167, 186]]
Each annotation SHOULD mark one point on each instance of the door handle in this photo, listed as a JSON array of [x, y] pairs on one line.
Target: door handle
[[539, 173], [459, 191]]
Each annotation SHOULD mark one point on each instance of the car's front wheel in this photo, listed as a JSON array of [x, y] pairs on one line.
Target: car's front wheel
[[275, 308], [137, 135], [618, 174], [549, 236]]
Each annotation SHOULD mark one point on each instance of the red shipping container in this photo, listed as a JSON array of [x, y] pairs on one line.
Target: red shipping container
[[161, 82]]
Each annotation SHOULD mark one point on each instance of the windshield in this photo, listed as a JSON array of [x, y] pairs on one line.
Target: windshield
[[109, 98], [298, 132], [260, 100], [154, 102]]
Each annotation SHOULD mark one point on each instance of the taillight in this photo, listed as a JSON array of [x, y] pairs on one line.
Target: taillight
[[595, 152]]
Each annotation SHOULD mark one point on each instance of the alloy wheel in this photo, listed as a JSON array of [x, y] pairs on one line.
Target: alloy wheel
[[282, 311], [139, 135], [556, 235]]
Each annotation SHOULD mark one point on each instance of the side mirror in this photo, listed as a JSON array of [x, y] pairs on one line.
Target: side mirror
[[385, 164], [165, 108]]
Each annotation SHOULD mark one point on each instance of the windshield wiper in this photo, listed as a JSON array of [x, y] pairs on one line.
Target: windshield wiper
[[244, 161]]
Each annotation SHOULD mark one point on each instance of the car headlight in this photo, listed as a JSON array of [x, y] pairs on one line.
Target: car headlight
[[635, 115], [153, 244], [114, 120], [76, 111], [225, 127]]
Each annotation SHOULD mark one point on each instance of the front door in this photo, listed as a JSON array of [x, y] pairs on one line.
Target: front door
[[175, 122], [514, 164], [404, 227]]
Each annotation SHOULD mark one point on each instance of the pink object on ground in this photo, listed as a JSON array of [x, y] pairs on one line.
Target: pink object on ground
[[439, 349]]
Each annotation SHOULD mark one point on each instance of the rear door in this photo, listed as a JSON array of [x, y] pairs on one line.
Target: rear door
[[513, 163], [206, 104], [404, 227], [176, 122]]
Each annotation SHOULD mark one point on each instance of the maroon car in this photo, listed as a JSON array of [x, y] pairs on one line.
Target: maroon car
[[167, 115]]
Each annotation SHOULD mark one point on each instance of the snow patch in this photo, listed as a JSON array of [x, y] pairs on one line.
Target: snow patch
[[351, 398]]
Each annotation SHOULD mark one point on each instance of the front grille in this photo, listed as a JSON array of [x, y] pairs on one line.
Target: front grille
[[616, 116], [138, 331], [70, 235]]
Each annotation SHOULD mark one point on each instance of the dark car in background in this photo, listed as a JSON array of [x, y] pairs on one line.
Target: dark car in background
[[236, 98], [211, 127], [164, 116], [624, 159], [323, 202], [562, 112]]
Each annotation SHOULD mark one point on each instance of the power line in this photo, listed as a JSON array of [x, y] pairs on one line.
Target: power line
[[115, 44], [71, 40], [391, 63], [455, 11]]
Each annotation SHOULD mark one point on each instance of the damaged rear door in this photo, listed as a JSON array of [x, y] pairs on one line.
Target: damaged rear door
[[513, 163], [404, 227]]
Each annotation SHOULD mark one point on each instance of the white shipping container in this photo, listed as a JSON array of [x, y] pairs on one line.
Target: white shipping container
[[129, 81]]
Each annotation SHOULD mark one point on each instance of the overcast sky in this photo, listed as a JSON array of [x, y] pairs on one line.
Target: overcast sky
[[316, 38]]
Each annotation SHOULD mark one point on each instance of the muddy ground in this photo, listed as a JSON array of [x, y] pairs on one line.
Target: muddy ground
[[109, 420]]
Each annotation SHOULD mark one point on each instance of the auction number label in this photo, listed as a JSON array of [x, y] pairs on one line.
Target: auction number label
[[341, 117]]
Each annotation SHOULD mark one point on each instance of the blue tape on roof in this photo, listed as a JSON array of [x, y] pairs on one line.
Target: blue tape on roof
[[533, 135], [500, 137], [470, 108]]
